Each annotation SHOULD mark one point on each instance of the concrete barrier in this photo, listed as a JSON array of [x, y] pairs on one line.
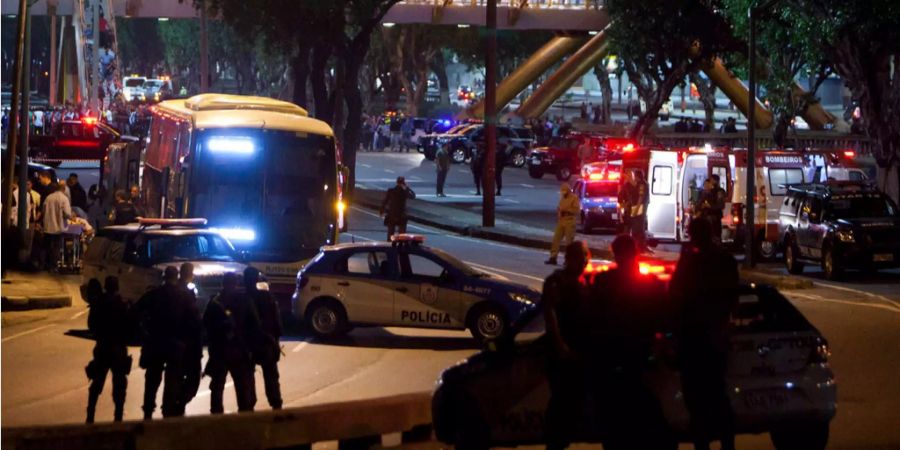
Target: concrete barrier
[[355, 424]]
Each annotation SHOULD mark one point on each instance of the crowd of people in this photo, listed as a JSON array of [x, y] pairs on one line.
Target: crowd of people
[[129, 119], [242, 327], [606, 332]]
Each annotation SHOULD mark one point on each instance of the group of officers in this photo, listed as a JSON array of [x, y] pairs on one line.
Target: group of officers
[[608, 331], [242, 329]]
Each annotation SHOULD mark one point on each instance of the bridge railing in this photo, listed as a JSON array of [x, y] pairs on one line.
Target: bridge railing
[[802, 139], [354, 424], [534, 4]]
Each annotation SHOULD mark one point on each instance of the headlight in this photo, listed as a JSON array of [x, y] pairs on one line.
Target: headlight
[[846, 236], [521, 298]]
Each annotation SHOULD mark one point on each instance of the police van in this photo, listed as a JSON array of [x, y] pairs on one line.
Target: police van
[[407, 284], [779, 382]]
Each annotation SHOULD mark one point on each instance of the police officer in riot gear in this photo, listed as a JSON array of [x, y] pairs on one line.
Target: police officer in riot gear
[[171, 324], [232, 327], [628, 310], [562, 297], [267, 351], [704, 291], [109, 322]]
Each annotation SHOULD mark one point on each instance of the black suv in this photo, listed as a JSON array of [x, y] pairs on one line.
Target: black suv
[[840, 225], [463, 145]]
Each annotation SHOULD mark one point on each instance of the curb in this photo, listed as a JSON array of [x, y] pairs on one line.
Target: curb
[[12, 303]]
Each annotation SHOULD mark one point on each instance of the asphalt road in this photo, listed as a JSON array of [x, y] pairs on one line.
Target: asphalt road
[[43, 357]]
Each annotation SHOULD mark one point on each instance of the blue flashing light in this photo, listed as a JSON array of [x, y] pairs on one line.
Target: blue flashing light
[[235, 146], [237, 234], [446, 122]]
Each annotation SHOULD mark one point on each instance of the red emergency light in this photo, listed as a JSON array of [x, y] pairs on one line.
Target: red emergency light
[[408, 237], [628, 148], [88, 120], [849, 154]]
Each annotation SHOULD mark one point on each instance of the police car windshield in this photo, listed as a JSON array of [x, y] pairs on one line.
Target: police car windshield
[[857, 206], [162, 248], [457, 264]]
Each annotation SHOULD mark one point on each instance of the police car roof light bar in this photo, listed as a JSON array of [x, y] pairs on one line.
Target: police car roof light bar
[[168, 223]]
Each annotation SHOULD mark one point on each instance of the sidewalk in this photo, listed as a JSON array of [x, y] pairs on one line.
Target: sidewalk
[[39, 290], [430, 211]]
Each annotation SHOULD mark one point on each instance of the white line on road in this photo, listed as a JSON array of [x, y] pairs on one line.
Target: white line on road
[[508, 272], [509, 200], [300, 346], [819, 298], [388, 170], [33, 330], [77, 315], [529, 186], [206, 392], [367, 166], [856, 291]]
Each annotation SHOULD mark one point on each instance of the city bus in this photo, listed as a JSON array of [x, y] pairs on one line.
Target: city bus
[[263, 173]]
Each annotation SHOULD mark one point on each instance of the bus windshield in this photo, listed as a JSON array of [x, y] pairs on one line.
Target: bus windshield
[[272, 193]]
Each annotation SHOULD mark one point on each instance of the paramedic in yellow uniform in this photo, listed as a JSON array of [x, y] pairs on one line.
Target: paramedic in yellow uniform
[[566, 214]]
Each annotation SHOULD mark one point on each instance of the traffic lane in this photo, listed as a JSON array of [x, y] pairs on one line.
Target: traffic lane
[[883, 285]]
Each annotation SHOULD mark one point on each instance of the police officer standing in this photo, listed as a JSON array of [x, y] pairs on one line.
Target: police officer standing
[[704, 290], [194, 354], [562, 297], [267, 351], [442, 166], [477, 167], [123, 211], [171, 324], [393, 207], [232, 327], [566, 212], [626, 198], [713, 207], [109, 323], [638, 216], [627, 310], [500, 155]]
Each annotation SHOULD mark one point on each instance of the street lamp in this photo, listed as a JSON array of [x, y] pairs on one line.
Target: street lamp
[[750, 222]]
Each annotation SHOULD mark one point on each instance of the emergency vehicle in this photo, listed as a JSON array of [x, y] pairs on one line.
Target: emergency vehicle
[[404, 283], [598, 195], [676, 176], [779, 377], [78, 140]]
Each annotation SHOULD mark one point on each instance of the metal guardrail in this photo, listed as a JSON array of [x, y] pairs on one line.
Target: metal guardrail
[[355, 424]]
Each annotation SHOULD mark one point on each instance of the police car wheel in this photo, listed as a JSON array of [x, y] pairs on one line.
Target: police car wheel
[[767, 249], [518, 158], [488, 322], [458, 155], [831, 265], [806, 436], [790, 258], [326, 319], [563, 173]]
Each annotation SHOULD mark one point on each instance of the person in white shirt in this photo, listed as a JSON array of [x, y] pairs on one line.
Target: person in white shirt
[[38, 121], [57, 212]]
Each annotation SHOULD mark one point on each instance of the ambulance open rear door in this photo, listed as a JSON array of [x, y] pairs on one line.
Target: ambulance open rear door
[[663, 208]]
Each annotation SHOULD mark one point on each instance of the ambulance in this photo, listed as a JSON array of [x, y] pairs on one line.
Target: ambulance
[[676, 175]]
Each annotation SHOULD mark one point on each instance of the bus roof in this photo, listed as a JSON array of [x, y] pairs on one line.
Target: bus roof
[[244, 111]]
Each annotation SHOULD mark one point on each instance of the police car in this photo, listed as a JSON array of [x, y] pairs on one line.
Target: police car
[[598, 195], [139, 253], [779, 379], [404, 283]]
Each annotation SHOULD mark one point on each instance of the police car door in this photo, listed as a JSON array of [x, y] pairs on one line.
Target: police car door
[[662, 210], [132, 263], [366, 287], [425, 296]]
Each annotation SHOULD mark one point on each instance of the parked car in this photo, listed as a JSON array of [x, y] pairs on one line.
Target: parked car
[[839, 225]]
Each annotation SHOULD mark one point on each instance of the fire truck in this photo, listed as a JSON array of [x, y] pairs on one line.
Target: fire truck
[[675, 177]]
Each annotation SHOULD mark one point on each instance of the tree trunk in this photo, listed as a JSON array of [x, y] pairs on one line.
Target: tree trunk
[[439, 67], [606, 94], [654, 98], [320, 55], [300, 69], [353, 99], [707, 92]]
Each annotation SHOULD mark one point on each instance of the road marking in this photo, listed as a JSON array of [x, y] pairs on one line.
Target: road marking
[[509, 272], [413, 178], [206, 392], [819, 298], [529, 186], [367, 166], [24, 333], [77, 315], [389, 171], [856, 291], [300, 346], [509, 200]]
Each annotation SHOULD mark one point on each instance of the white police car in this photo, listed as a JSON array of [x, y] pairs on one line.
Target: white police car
[[407, 284], [779, 379]]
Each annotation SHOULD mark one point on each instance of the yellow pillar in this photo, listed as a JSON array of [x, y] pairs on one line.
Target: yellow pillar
[[735, 90], [553, 51], [814, 115], [574, 68]]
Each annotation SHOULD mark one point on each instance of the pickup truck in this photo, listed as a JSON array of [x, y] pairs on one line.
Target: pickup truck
[[85, 139]]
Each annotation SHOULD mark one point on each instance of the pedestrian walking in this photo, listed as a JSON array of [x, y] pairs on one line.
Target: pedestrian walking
[[406, 131], [170, 324], [109, 323], [123, 211], [563, 296], [232, 327], [477, 167], [626, 310], [394, 127], [500, 155], [566, 213], [442, 166], [393, 207], [704, 291], [267, 351]]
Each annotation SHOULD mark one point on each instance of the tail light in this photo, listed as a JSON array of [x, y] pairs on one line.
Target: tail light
[[737, 213]]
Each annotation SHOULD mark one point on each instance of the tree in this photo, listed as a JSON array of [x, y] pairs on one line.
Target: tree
[[660, 42], [707, 91], [140, 46], [414, 50]]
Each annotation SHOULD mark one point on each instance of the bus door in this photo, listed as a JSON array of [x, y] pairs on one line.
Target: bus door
[[662, 211]]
